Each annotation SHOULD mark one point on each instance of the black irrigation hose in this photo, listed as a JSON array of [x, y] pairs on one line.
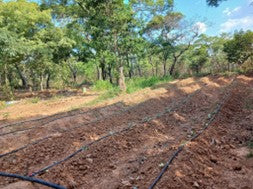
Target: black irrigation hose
[[31, 179], [166, 167], [23, 147], [45, 138], [180, 148], [130, 125], [83, 148], [34, 127], [97, 120], [46, 117], [37, 119]]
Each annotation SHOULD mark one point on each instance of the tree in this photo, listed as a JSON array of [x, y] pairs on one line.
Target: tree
[[199, 58], [240, 48], [20, 20]]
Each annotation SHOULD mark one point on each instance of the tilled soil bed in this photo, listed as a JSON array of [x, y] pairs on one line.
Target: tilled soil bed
[[135, 156]]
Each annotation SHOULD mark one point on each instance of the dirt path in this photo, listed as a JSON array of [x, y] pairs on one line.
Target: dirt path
[[127, 160]]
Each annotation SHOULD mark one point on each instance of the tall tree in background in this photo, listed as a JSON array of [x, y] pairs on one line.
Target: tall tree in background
[[240, 48]]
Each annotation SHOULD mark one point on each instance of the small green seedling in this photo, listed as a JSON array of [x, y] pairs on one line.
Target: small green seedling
[[6, 115], [250, 155], [161, 165]]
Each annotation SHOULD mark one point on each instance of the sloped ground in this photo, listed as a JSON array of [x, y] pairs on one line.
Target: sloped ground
[[218, 158], [150, 132]]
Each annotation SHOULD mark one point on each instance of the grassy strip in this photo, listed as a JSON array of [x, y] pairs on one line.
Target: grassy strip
[[136, 84], [110, 91]]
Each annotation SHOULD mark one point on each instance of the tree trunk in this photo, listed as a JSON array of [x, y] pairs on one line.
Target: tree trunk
[[130, 66], [74, 77], [103, 69], [152, 65], [172, 68], [121, 79], [48, 80], [164, 68], [156, 68], [21, 75], [99, 75], [139, 70], [6, 75], [110, 74], [41, 82]]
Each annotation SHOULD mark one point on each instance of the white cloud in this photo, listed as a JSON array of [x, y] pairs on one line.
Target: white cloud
[[229, 11], [244, 23], [201, 27]]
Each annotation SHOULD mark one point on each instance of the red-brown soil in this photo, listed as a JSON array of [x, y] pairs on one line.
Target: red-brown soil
[[133, 158]]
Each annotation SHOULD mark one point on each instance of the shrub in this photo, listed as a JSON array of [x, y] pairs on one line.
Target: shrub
[[2, 105], [7, 92]]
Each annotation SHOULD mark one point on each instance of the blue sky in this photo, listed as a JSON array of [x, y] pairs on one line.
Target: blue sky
[[229, 16]]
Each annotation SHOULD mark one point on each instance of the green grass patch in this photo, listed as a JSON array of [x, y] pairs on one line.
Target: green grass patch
[[136, 84], [34, 100], [102, 86], [250, 145], [6, 115], [250, 155], [2, 105], [109, 94], [109, 91]]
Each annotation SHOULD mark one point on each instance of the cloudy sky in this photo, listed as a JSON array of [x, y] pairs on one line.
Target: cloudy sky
[[231, 15]]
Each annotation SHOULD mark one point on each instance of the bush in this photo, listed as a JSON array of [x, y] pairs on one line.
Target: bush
[[2, 105], [7, 92]]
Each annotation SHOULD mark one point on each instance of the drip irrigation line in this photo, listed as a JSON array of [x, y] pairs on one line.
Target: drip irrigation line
[[180, 148], [46, 117], [38, 119], [31, 179], [48, 137], [167, 110], [34, 127], [23, 147], [130, 126], [166, 167], [83, 148]]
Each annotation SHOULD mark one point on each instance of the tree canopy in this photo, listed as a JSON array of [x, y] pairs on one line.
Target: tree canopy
[[58, 43]]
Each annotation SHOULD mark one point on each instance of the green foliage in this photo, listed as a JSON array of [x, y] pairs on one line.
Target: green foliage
[[107, 94], [250, 155], [199, 58], [101, 85], [140, 83], [239, 49], [6, 115], [2, 105], [7, 92], [61, 44], [34, 100], [250, 144]]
